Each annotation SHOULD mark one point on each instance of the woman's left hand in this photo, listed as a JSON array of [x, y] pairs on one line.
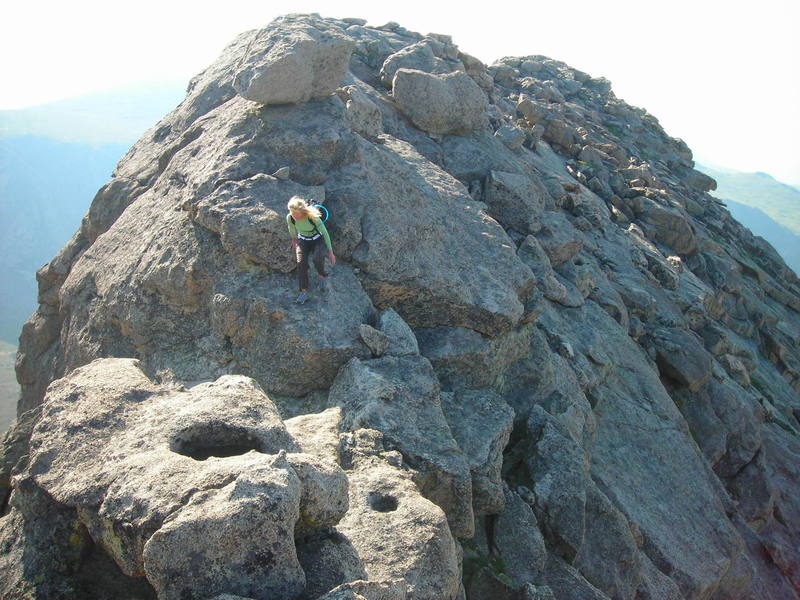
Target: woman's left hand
[[331, 257]]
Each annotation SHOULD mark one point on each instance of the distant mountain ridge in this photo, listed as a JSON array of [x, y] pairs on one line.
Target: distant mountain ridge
[[53, 159], [45, 189], [779, 200], [763, 204], [783, 239], [119, 115]]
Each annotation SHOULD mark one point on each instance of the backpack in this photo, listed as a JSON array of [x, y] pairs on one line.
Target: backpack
[[323, 211]]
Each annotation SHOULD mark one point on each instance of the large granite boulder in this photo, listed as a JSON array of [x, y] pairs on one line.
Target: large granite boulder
[[293, 61], [441, 104], [256, 510], [165, 478], [419, 57], [392, 535]]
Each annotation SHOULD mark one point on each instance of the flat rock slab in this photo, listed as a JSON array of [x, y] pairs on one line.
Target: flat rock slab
[[400, 397], [398, 534], [659, 456], [420, 267]]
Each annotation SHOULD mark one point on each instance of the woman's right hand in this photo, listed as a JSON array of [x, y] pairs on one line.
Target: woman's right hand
[[294, 243]]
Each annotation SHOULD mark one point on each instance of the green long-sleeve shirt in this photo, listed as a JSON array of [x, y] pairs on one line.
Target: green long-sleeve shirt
[[307, 229]]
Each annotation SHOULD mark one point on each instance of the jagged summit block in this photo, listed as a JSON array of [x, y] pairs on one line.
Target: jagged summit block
[[297, 60]]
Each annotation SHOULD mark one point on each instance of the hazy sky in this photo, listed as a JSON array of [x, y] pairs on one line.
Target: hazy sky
[[722, 75]]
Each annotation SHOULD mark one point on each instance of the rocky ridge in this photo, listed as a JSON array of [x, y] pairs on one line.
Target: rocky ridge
[[549, 363]]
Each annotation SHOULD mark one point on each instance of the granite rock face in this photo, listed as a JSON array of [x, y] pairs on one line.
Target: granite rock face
[[547, 364]]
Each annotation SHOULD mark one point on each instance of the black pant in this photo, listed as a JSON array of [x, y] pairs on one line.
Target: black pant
[[315, 249]]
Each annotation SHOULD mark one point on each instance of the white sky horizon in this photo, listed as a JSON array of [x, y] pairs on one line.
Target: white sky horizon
[[725, 79]]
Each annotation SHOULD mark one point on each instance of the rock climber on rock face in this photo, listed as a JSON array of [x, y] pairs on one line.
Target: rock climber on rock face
[[308, 234]]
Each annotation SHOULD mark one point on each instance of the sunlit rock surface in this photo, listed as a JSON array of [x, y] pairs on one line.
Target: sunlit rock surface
[[547, 364]]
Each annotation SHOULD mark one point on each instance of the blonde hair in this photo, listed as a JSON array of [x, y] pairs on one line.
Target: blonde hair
[[301, 205]]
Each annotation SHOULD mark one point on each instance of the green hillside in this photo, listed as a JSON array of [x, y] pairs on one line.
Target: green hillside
[[9, 389], [783, 239], [759, 190]]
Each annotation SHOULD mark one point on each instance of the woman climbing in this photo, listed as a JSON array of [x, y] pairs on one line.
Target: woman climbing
[[308, 233]]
